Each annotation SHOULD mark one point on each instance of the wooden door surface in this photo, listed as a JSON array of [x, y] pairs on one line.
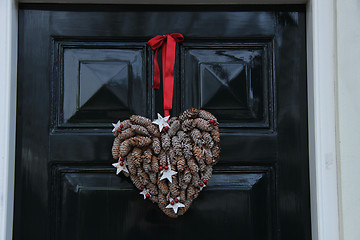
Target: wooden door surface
[[82, 68]]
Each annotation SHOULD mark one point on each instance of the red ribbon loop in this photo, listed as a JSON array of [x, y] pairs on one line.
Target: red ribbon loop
[[168, 42]]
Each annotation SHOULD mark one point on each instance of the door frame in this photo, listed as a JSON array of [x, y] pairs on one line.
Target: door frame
[[321, 72]]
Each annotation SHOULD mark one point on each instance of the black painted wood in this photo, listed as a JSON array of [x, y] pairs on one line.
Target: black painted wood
[[83, 67]]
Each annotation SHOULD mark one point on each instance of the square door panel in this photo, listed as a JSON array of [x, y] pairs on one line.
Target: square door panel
[[231, 80], [99, 83]]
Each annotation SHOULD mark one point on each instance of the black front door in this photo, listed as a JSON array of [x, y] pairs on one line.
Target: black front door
[[82, 68]]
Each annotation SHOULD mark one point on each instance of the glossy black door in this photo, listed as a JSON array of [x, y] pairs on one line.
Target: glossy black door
[[83, 67]]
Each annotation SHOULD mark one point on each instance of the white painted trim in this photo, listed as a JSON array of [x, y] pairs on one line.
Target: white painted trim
[[180, 2], [321, 40], [8, 66]]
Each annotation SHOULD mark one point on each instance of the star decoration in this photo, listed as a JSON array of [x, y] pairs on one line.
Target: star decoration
[[162, 122], [175, 205], [203, 186], [116, 126], [167, 173], [144, 192], [120, 168]]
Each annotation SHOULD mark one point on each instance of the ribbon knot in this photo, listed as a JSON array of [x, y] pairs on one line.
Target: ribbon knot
[[168, 43]]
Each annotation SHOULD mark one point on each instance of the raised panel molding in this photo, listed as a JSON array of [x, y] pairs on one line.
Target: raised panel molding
[[234, 81], [102, 195], [95, 83]]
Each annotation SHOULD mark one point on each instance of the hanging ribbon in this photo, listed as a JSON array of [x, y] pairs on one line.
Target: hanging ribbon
[[168, 42]]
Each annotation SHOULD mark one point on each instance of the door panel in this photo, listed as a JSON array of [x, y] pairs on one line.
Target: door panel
[[83, 67], [94, 203]]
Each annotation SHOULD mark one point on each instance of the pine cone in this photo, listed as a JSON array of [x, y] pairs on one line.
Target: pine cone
[[147, 155], [176, 145], [163, 187], [202, 164], [174, 127], [162, 158], [190, 192], [197, 192], [187, 125], [156, 146], [202, 124], [195, 180], [153, 177], [194, 168], [153, 130], [152, 189], [154, 198], [165, 141], [140, 120], [140, 130], [135, 179], [172, 157], [208, 156], [147, 167], [207, 173], [127, 133], [208, 140], [162, 199], [196, 137], [181, 163], [183, 194], [171, 120], [126, 124], [187, 148], [198, 153], [216, 152], [154, 164], [174, 187], [187, 176], [140, 141], [206, 115], [144, 178], [181, 135], [190, 113], [131, 163], [136, 156], [115, 148], [125, 147], [215, 135]]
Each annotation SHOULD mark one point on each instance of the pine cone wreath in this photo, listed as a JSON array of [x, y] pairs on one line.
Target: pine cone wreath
[[169, 160]]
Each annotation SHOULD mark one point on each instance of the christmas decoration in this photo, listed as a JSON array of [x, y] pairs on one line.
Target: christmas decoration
[[145, 193], [169, 159], [120, 166], [167, 173], [175, 204], [162, 122], [169, 167]]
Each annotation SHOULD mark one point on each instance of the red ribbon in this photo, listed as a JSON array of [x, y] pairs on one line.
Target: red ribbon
[[168, 42]]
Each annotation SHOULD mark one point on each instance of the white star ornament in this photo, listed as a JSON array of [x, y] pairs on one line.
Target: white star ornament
[[144, 192], [116, 126], [120, 168], [175, 206], [167, 173], [162, 122]]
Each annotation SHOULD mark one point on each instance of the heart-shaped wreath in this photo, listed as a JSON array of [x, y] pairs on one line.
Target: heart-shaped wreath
[[169, 160]]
